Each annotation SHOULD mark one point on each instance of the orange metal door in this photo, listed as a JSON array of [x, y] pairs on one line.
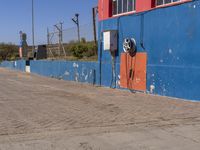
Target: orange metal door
[[133, 71]]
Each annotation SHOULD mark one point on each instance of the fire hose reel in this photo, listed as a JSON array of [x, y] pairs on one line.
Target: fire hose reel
[[129, 45]]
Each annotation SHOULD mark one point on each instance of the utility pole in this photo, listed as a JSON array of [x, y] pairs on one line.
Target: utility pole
[[76, 21], [59, 38], [61, 33], [48, 36], [59, 27], [94, 14], [33, 28]]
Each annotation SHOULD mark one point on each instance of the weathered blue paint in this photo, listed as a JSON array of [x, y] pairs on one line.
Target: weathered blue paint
[[67, 70], [7, 64], [20, 65], [173, 50], [171, 38], [86, 72], [17, 65]]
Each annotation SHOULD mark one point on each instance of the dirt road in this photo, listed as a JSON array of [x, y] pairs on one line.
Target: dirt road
[[38, 113]]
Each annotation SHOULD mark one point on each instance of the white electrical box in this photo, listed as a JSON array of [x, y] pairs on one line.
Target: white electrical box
[[110, 39]]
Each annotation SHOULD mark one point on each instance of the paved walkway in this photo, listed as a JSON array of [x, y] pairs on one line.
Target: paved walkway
[[38, 113]]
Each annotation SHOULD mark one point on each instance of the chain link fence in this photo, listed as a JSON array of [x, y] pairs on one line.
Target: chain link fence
[[62, 42]]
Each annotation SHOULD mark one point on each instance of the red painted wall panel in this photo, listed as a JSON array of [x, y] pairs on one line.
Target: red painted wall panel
[[100, 9], [144, 5], [133, 71], [105, 9]]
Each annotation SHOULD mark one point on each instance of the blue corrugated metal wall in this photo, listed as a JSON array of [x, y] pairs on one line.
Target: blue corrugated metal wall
[[87, 72], [171, 38], [17, 65], [7, 64], [67, 70]]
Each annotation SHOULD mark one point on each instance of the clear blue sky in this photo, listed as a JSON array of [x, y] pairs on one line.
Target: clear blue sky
[[15, 15]]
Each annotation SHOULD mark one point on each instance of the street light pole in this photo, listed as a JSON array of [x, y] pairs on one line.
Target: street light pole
[[33, 28], [78, 27], [76, 21], [95, 12]]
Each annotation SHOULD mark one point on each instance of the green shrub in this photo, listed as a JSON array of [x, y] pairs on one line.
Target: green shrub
[[79, 50], [8, 51], [83, 49]]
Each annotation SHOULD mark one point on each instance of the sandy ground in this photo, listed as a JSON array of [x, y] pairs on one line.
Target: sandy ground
[[38, 113]]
